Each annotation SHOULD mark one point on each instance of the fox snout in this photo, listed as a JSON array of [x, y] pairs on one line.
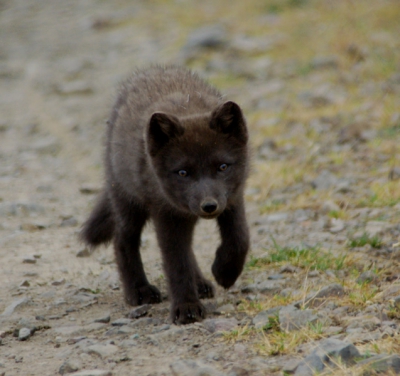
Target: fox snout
[[209, 206]]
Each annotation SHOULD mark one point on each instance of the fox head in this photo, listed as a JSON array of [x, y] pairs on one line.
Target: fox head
[[200, 161]]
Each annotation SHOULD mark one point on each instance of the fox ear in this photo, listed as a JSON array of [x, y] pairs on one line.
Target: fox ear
[[228, 118], [162, 127]]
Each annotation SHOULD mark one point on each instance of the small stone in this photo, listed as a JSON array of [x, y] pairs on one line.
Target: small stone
[[220, 324], [58, 282], [104, 319], [89, 189], [381, 363], [337, 225], [139, 311], [121, 321], [190, 367], [270, 287], [288, 269], [325, 62], [83, 253], [103, 351], [367, 277], [263, 318], [376, 228], [69, 222], [290, 367], [291, 319], [394, 173], [69, 366], [207, 36], [29, 260], [94, 372], [24, 334], [225, 309], [318, 298], [329, 207], [25, 283], [33, 226]]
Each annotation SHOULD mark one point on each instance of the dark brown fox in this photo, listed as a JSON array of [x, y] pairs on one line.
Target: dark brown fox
[[175, 152]]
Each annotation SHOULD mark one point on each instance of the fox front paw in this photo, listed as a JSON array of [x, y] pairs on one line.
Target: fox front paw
[[186, 313], [226, 272], [147, 294], [205, 289]]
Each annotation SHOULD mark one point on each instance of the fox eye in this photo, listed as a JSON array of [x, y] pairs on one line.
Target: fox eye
[[182, 173], [223, 167]]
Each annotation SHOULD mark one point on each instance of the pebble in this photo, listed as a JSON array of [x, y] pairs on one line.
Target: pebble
[[89, 189], [263, 317], [84, 252], [195, 368], [382, 364], [29, 260], [104, 319], [103, 351], [220, 324], [24, 334], [209, 36], [291, 318], [121, 322], [69, 366], [318, 298], [139, 311], [367, 277], [94, 372]]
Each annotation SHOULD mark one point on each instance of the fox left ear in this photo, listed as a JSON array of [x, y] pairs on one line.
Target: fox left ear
[[228, 118]]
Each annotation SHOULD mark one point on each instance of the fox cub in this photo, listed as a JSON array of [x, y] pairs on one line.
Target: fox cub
[[175, 152]]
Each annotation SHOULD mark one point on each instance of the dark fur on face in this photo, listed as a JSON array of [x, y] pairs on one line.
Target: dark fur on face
[[175, 152]]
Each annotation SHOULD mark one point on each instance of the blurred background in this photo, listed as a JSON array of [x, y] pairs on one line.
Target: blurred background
[[319, 82]]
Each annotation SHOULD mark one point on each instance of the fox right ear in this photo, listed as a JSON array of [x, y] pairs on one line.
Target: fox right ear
[[162, 127]]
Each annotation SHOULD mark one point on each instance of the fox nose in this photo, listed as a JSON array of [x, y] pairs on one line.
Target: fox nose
[[209, 206]]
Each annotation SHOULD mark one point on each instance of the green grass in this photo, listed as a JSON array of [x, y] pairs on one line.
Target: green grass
[[365, 239], [312, 258]]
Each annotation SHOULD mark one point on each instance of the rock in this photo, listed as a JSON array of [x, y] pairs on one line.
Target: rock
[[58, 282], [24, 334], [103, 351], [210, 36], [121, 321], [85, 252], [288, 268], [291, 318], [389, 292], [263, 318], [375, 228], [329, 207], [325, 354], [192, 368], [69, 222], [337, 225], [239, 371], [220, 324], [225, 309], [290, 367], [29, 260], [94, 372], [367, 277], [396, 302], [20, 209], [69, 366], [144, 322], [325, 62], [33, 226], [381, 363], [9, 310], [270, 287], [316, 299], [364, 337], [139, 311], [89, 189], [394, 173], [325, 180], [104, 319]]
